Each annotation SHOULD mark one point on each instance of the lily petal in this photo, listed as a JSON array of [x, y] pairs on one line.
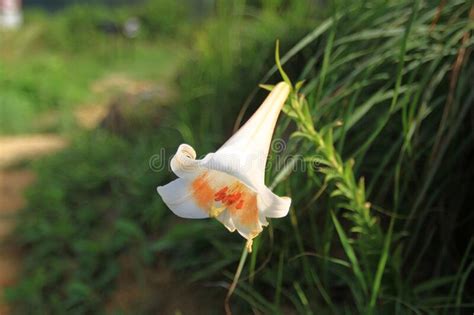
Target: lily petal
[[184, 163], [226, 219], [273, 206], [251, 143], [229, 184], [177, 195]]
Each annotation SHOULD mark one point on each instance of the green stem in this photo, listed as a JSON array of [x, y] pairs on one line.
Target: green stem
[[247, 249]]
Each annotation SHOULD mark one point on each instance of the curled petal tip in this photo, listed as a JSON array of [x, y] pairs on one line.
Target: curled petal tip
[[184, 161]]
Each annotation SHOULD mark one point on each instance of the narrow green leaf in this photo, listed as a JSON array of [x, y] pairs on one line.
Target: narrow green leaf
[[350, 253]]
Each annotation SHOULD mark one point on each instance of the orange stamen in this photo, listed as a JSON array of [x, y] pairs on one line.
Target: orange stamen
[[221, 194], [222, 191], [233, 198], [220, 197]]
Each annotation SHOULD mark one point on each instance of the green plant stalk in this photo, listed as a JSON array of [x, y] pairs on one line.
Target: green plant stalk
[[349, 252], [253, 259], [279, 281], [396, 91], [342, 176], [306, 266], [232, 287], [381, 267], [343, 172]]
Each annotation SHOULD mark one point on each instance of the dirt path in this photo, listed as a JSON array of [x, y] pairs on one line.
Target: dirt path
[[14, 180], [12, 186], [15, 149], [13, 183]]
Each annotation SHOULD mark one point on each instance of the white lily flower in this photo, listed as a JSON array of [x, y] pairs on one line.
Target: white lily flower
[[229, 184]]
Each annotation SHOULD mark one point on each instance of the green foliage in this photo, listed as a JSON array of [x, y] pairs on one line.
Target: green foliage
[[164, 17], [92, 204], [380, 222], [231, 53], [50, 64], [95, 26], [14, 105], [379, 99], [78, 28]]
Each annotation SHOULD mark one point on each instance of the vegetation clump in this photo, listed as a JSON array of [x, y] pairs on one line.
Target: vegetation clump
[[382, 118]]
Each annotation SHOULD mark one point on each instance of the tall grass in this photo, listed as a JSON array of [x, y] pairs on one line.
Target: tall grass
[[374, 117]]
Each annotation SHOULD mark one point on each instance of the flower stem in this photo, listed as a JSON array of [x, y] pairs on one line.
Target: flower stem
[[247, 249]]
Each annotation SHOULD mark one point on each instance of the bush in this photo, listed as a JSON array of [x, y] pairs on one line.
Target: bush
[[49, 65], [92, 203], [96, 201], [164, 17]]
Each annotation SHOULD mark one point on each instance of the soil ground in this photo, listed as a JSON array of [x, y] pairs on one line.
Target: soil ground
[[15, 178], [13, 183]]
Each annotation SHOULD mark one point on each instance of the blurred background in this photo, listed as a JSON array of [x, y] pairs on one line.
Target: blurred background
[[95, 97]]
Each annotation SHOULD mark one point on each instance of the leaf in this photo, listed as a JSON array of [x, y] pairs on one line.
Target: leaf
[[268, 87], [129, 228], [280, 69], [381, 265], [349, 253]]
